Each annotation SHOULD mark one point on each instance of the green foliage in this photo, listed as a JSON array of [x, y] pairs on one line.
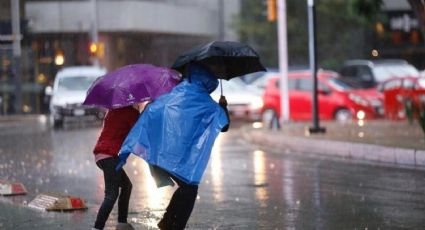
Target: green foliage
[[418, 112], [342, 30], [369, 9], [409, 110], [254, 29]]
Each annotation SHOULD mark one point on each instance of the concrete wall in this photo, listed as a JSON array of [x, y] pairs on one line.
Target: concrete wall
[[188, 17], [396, 5]]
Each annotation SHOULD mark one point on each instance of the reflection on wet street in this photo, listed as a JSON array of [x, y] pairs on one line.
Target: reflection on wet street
[[244, 187]]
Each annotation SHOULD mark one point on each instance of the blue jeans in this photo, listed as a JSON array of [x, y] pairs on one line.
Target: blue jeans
[[114, 180]]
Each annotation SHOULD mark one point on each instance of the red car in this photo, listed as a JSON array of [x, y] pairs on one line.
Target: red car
[[399, 91], [337, 100]]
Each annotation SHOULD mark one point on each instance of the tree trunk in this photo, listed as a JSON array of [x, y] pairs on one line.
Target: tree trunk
[[418, 7]]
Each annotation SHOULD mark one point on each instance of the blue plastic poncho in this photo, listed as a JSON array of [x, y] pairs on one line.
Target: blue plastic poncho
[[177, 131]]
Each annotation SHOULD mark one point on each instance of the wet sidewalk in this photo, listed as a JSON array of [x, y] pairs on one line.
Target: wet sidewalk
[[380, 141]]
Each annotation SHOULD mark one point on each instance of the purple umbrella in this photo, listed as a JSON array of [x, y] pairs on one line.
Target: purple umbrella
[[131, 84]]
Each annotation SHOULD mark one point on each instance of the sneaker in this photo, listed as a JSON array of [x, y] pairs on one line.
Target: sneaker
[[124, 226]]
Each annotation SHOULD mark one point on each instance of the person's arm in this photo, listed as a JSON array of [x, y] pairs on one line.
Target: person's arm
[[223, 103]]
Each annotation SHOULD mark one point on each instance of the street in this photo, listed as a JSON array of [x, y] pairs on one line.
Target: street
[[244, 187]]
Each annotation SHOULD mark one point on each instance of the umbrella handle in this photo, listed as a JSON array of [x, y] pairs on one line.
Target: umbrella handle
[[221, 86]]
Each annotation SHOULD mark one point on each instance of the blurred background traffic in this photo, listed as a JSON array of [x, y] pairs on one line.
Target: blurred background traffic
[[370, 54]]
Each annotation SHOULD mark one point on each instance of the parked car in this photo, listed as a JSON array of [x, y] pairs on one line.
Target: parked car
[[336, 99], [244, 102], [399, 91], [69, 91], [368, 74]]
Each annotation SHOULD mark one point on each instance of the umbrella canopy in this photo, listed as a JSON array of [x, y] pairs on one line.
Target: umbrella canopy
[[224, 58], [131, 84]]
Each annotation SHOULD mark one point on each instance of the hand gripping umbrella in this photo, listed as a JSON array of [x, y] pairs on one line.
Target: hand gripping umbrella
[[131, 84]]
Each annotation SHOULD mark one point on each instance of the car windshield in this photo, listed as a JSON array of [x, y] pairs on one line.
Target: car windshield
[[262, 81], [338, 84], [77, 83], [384, 72], [421, 82], [235, 85]]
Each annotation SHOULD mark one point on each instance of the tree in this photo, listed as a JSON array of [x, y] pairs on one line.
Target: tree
[[341, 32]]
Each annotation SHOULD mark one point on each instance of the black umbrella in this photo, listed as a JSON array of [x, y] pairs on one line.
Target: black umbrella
[[224, 58]]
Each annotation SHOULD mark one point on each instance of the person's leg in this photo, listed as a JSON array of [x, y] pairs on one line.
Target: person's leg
[[112, 182], [184, 204], [124, 197], [167, 220], [180, 207]]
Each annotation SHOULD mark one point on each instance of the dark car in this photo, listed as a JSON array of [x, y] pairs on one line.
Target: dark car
[[369, 73]]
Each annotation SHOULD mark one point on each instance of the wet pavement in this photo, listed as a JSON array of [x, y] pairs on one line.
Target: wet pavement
[[244, 187]]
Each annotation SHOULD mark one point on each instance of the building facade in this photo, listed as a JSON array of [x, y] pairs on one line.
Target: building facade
[[398, 34], [62, 33]]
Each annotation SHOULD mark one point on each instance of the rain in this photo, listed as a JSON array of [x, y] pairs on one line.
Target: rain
[[325, 99]]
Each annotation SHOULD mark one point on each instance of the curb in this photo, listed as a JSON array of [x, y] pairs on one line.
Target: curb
[[399, 157], [19, 118]]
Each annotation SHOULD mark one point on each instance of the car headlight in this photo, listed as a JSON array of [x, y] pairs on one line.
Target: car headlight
[[257, 103], [358, 99]]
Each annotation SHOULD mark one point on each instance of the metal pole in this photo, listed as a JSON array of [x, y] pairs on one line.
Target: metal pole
[[283, 60], [16, 36], [221, 20], [313, 65], [94, 30]]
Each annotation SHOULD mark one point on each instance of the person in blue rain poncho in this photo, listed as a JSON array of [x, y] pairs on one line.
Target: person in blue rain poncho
[[175, 135]]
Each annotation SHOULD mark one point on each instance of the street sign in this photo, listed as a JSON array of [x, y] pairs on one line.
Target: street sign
[[57, 202]]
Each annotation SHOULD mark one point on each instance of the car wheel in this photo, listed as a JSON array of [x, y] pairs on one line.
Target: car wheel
[[100, 115], [343, 115], [270, 119]]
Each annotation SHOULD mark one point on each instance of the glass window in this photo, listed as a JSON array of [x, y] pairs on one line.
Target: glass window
[[392, 84], [338, 84], [421, 83], [292, 84], [324, 88], [305, 84], [348, 71], [364, 73], [408, 84], [78, 83]]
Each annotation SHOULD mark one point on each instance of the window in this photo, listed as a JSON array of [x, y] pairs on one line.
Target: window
[[77, 83], [364, 73], [305, 84], [392, 85], [292, 84], [348, 71], [408, 84]]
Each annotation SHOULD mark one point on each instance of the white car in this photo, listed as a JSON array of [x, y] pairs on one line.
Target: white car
[[261, 82], [69, 92], [244, 101]]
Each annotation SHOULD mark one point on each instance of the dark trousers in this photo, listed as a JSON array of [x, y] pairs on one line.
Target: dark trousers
[[114, 180], [180, 207]]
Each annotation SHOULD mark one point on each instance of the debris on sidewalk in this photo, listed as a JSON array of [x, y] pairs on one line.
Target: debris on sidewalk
[[57, 202], [11, 188]]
